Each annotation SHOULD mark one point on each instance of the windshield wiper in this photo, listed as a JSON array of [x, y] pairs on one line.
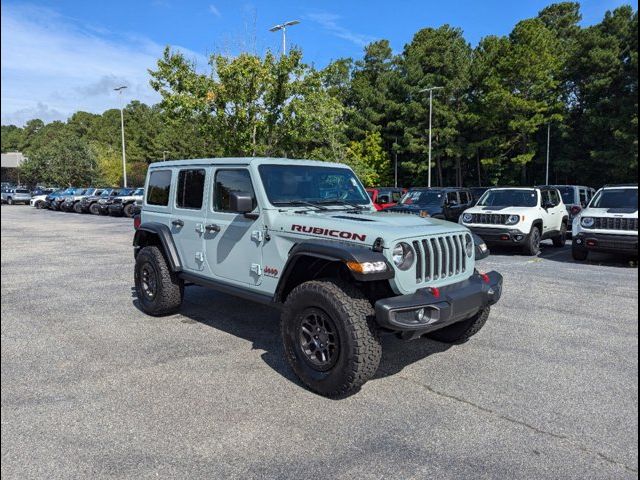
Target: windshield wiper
[[340, 201], [302, 202]]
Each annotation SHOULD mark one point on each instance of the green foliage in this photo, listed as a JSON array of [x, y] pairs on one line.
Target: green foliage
[[490, 118]]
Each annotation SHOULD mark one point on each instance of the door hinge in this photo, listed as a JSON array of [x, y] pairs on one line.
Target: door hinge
[[199, 257], [256, 268], [199, 228], [257, 236]]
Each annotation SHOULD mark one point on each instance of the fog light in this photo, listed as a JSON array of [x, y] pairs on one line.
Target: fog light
[[519, 237], [420, 315], [579, 241]]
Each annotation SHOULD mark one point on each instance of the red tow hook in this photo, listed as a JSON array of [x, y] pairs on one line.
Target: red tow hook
[[435, 292], [485, 278]]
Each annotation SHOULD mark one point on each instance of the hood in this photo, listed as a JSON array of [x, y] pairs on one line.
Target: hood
[[361, 228], [500, 210], [610, 212], [415, 208]]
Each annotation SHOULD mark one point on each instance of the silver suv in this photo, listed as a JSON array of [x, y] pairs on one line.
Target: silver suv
[[304, 236], [11, 196]]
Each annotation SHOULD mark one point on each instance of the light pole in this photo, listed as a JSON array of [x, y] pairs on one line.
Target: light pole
[[124, 156], [548, 150], [283, 27], [430, 90], [164, 155]]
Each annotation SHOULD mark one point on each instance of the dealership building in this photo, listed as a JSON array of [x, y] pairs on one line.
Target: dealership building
[[10, 163]]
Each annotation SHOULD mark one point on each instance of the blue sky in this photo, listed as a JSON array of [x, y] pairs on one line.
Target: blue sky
[[62, 56]]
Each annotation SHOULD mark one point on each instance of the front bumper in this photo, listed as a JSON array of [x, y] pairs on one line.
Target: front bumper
[[608, 243], [455, 303], [502, 235], [116, 209]]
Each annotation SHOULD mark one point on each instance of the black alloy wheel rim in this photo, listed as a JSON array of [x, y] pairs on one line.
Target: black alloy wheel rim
[[148, 281], [318, 339]]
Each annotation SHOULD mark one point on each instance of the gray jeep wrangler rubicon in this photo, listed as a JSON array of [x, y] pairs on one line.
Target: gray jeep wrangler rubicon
[[304, 235]]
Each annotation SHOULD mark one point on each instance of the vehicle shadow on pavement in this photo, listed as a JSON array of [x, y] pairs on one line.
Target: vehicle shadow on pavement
[[260, 325]]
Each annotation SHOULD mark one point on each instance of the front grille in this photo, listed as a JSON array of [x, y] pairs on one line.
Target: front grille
[[613, 223], [440, 257], [490, 218]]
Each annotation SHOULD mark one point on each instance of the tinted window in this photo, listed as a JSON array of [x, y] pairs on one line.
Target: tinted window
[[228, 181], [555, 197], [568, 195], [509, 198], [21, 190], [452, 198], [422, 197], [616, 198], [190, 189], [159, 186]]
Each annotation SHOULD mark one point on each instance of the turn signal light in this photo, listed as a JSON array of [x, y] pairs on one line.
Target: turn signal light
[[367, 267]]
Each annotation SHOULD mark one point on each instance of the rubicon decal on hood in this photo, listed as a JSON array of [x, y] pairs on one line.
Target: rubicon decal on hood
[[329, 233]]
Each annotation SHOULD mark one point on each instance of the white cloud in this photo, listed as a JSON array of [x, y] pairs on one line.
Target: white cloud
[[214, 10], [53, 66], [329, 22]]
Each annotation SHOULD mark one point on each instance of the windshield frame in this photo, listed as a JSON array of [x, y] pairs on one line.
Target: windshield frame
[[486, 194], [598, 196], [364, 202]]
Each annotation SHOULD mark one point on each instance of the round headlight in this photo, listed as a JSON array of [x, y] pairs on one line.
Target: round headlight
[[588, 222], [468, 247], [402, 256], [513, 219], [467, 218]]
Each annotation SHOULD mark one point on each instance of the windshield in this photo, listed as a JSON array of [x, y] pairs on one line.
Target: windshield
[[107, 192], [138, 192], [509, 198], [78, 191], [616, 198], [422, 197], [568, 195], [290, 184]]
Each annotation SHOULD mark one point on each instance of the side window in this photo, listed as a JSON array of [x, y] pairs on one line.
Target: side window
[[452, 198], [465, 198], [584, 196], [555, 198], [396, 196], [545, 197], [159, 186], [190, 190], [228, 181]]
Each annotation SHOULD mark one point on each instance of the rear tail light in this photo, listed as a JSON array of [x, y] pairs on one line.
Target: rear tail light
[[136, 222], [575, 210]]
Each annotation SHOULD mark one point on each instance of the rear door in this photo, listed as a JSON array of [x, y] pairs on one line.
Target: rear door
[[233, 242], [453, 209], [189, 211]]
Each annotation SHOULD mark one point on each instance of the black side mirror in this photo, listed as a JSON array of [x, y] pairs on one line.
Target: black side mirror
[[240, 202]]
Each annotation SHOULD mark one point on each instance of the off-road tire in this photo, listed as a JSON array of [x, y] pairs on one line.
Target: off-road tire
[[561, 240], [462, 331], [168, 290], [39, 205], [532, 244], [93, 209], [579, 254], [77, 207], [128, 210], [104, 212], [359, 349]]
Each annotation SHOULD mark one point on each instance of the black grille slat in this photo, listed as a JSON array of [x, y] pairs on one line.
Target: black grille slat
[[615, 223], [489, 218], [416, 247], [440, 257]]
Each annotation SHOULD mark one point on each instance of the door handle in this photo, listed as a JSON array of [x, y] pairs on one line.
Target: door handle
[[212, 227], [177, 223]]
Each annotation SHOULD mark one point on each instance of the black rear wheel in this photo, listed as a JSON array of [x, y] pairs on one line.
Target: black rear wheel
[[129, 210], [159, 290], [330, 337]]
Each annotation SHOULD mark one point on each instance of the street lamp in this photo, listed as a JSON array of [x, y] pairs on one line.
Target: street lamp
[[548, 151], [283, 27], [124, 157], [164, 155], [430, 90]]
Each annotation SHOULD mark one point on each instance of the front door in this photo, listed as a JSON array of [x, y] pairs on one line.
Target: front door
[[233, 241]]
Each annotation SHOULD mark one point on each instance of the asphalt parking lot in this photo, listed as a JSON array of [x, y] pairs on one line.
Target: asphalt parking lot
[[91, 387]]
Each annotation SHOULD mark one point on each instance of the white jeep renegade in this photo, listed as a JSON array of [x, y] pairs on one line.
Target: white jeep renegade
[[608, 224], [519, 216]]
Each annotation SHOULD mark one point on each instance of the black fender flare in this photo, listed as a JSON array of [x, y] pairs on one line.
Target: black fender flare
[[162, 232], [333, 252]]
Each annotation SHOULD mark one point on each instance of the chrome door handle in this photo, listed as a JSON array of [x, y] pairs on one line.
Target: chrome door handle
[[212, 227], [177, 223]]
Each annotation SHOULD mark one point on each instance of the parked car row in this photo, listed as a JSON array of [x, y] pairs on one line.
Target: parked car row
[[97, 201], [523, 217]]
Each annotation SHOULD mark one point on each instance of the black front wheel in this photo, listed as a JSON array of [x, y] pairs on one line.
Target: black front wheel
[[579, 254], [532, 244], [462, 331], [560, 240], [129, 210], [330, 337], [77, 207]]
